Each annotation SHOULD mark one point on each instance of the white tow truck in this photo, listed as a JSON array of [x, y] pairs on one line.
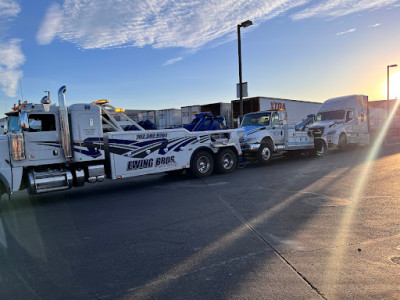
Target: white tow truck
[[267, 132], [49, 148]]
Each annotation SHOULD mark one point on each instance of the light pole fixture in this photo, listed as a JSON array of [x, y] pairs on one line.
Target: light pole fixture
[[387, 104], [244, 24]]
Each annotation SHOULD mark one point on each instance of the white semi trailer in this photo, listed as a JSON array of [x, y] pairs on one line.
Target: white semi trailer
[[297, 110], [48, 148], [168, 118]]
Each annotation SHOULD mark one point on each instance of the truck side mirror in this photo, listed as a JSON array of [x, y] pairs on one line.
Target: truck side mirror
[[5, 126], [349, 116], [281, 117], [24, 121]]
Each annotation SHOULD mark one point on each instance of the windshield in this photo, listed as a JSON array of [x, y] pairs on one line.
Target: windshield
[[331, 115], [13, 123], [256, 120]]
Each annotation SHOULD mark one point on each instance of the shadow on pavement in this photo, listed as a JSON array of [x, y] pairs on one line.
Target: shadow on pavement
[[157, 237]]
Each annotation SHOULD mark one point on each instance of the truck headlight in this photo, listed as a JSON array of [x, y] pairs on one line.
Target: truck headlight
[[331, 132]]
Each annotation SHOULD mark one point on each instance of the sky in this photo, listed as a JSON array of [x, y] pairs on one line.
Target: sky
[[158, 54]]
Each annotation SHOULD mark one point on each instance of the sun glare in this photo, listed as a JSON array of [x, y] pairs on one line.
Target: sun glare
[[394, 85]]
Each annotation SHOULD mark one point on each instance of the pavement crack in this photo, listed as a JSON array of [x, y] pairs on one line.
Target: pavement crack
[[265, 241]]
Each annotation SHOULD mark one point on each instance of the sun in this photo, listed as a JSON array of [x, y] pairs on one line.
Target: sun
[[395, 85]]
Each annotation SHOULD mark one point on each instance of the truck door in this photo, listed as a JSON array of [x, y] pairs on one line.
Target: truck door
[[351, 126], [42, 139], [278, 133]]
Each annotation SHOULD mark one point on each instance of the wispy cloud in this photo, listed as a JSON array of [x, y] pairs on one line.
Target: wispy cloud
[[11, 56], [163, 23], [50, 25], [158, 23], [375, 25], [346, 32], [172, 61], [9, 8], [338, 8]]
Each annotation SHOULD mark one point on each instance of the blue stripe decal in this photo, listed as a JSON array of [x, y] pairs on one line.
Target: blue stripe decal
[[184, 144]]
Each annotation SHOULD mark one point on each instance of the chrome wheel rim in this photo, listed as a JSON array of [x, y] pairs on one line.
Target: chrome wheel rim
[[203, 164], [227, 161], [266, 154]]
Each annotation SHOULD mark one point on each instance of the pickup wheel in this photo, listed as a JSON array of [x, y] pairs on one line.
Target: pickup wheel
[[264, 153], [342, 141], [226, 161], [202, 164]]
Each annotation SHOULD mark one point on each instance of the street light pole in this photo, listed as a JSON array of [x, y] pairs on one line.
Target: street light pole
[[244, 24], [387, 99]]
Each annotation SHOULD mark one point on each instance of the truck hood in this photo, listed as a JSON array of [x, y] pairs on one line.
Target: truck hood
[[326, 125], [248, 131]]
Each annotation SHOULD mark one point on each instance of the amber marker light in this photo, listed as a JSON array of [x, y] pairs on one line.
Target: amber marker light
[[102, 101]]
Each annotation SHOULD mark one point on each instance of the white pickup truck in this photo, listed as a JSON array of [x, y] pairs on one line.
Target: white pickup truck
[[267, 132]]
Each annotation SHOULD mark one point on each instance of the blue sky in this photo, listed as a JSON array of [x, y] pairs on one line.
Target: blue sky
[[157, 54]]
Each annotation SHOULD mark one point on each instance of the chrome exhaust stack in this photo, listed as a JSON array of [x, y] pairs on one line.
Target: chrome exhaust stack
[[64, 124]]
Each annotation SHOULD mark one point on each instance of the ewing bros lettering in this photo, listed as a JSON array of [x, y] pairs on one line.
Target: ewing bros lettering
[[149, 163], [165, 160], [140, 164]]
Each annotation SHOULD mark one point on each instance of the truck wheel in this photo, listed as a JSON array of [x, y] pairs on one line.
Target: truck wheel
[[342, 141], [4, 197], [202, 164], [322, 151], [264, 153], [226, 161]]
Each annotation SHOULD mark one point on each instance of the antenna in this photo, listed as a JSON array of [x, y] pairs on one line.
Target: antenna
[[5, 98], [20, 82]]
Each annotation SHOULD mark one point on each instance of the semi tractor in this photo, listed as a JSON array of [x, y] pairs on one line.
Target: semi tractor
[[49, 148], [343, 121]]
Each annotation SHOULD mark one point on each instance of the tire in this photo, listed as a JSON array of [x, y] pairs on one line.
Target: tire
[[226, 161], [321, 150], [342, 141], [202, 164], [264, 153]]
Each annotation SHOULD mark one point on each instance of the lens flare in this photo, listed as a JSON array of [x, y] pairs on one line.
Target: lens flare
[[335, 264]]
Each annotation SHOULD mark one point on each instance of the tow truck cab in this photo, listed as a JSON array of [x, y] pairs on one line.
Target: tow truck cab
[[42, 154], [267, 132]]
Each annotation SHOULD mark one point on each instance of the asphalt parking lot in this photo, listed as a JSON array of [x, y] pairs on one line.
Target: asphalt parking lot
[[299, 228]]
